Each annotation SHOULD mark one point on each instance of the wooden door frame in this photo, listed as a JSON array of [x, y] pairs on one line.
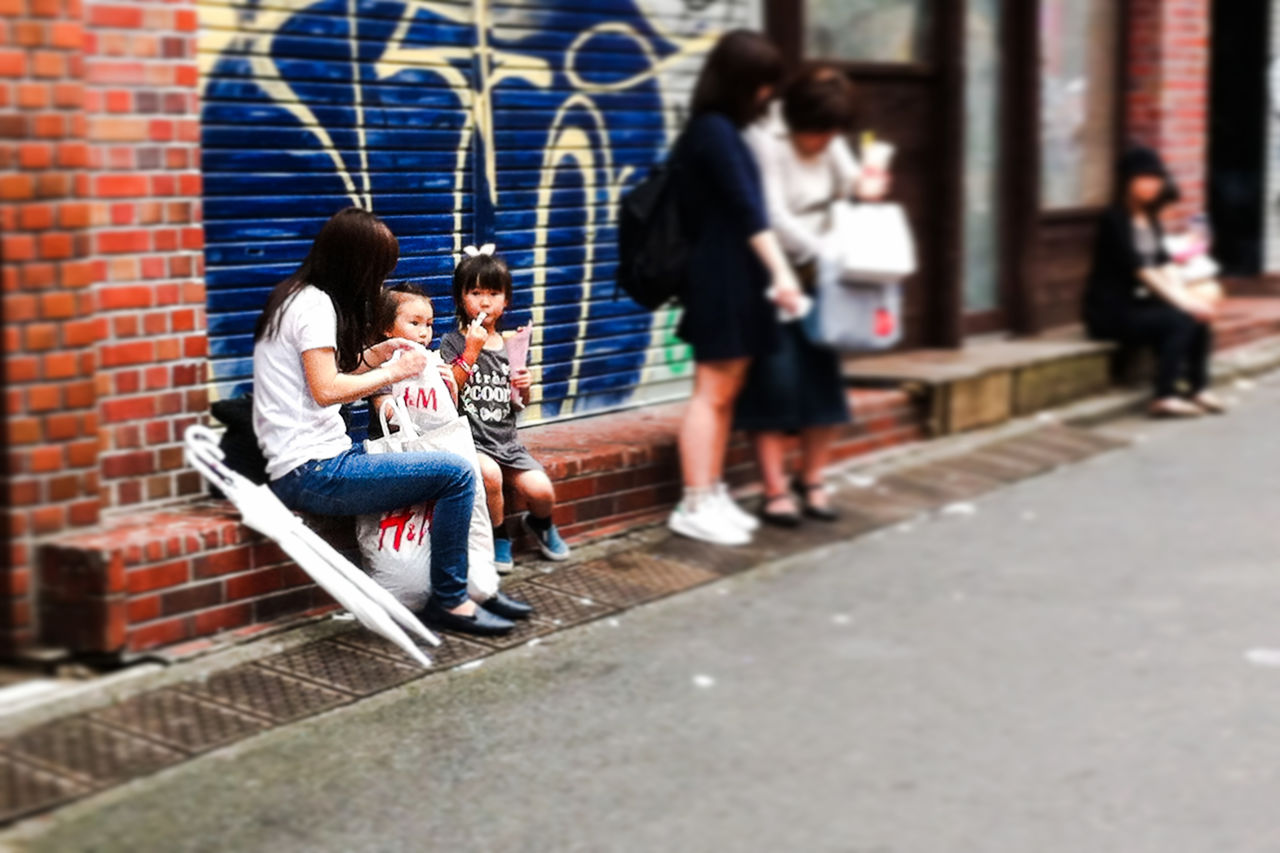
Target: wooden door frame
[[1023, 217]]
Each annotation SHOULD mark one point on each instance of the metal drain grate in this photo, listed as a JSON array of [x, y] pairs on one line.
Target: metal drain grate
[[882, 504], [558, 608], [525, 630], [257, 690], [713, 558], [183, 722], [97, 754], [25, 790], [451, 651], [1037, 458], [629, 578], [342, 667], [990, 467], [1018, 468]]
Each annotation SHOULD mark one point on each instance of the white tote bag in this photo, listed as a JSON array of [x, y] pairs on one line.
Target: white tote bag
[[872, 241], [426, 397], [853, 316], [396, 545]]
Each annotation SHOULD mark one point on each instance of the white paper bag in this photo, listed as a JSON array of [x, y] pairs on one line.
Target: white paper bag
[[396, 545], [873, 242]]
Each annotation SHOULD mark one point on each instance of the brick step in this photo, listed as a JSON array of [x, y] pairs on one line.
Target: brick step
[[184, 573]]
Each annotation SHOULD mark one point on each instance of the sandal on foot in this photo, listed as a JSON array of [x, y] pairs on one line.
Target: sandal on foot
[[819, 513], [778, 519]]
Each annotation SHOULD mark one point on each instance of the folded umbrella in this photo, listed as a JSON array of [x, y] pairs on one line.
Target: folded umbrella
[[262, 511]]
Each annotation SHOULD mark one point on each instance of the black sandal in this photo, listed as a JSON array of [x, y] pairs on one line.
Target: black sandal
[[819, 513], [778, 519]]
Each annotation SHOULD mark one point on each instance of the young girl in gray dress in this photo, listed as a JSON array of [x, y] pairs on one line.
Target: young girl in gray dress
[[477, 351]]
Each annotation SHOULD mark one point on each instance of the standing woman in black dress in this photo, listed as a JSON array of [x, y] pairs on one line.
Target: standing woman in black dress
[[738, 277], [1136, 296]]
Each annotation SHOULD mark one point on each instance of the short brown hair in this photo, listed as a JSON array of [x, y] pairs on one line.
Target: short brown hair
[[820, 99]]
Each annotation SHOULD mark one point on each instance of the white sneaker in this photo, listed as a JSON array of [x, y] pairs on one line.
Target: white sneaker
[[735, 514], [706, 523]]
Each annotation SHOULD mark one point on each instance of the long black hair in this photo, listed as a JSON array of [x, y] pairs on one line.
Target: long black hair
[[350, 258], [741, 62]]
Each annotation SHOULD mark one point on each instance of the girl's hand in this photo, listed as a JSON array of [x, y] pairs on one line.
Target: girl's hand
[[521, 379], [477, 336], [446, 374], [410, 363], [377, 355]]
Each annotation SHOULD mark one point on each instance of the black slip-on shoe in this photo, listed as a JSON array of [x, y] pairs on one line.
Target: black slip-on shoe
[[508, 607], [482, 622]]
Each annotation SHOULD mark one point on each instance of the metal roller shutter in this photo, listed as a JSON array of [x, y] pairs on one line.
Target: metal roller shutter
[[456, 122]]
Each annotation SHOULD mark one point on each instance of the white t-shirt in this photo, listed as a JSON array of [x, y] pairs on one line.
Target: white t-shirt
[[796, 189], [292, 427]]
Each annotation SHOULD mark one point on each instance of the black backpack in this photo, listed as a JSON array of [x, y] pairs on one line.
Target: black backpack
[[652, 249]]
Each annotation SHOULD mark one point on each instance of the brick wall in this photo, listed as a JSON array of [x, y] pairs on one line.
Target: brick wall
[[1168, 100], [103, 292]]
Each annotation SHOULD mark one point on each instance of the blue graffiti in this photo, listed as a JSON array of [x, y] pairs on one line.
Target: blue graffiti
[[455, 123]]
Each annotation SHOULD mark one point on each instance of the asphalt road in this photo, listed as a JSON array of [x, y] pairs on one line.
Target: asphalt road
[[1089, 662]]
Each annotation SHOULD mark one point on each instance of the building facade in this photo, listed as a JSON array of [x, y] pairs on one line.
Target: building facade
[[170, 161]]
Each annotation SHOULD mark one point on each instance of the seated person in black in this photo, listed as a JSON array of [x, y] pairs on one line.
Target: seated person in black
[[1135, 295]]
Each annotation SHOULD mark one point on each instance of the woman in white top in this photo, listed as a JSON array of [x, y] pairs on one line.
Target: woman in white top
[[806, 166], [310, 356]]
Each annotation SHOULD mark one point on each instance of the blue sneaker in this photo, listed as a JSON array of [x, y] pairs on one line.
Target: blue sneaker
[[549, 541], [502, 560]]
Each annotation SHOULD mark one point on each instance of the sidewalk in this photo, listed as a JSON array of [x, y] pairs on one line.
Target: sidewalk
[[331, 664], [138, 724]]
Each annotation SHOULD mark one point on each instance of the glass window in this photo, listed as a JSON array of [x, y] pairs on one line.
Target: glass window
[[982, 157], [867, 30], [1077, 102]]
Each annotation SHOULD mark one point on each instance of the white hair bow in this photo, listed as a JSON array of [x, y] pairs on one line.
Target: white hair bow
[[472, 251]]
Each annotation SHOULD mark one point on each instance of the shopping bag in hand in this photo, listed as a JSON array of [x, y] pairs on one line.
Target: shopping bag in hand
[[396, 545], [853, 316], [873, 242], [425, 397]]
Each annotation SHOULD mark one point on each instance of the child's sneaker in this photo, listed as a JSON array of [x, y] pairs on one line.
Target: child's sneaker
[[549, 541], [736, 515], [502, 560], [707, 522]]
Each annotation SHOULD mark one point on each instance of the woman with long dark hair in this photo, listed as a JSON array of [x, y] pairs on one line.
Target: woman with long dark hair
[[737, 279], [1136, 296], [311, 354]]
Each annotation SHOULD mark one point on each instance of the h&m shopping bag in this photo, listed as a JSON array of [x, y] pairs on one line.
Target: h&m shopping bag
[[426, 398], [872, 241], [854, 316], [396, 545]]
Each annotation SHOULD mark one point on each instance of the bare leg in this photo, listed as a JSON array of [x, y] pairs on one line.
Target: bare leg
[[492, 473], [704, 434], [815, 445], [771, 454], [536, 489]]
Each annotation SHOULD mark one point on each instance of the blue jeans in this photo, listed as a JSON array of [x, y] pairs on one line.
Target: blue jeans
[[356, 483]]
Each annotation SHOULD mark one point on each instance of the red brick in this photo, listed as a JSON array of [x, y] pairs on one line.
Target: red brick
[[222, 563], [163, 633], [194, 597], [223, 618], [163, 576], [115, 16], [144, 609], [253, 584], [121, 186]]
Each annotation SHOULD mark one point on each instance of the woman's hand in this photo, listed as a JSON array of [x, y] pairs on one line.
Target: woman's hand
[[377, 355], [521, 379], [873, 184], [410, 363]]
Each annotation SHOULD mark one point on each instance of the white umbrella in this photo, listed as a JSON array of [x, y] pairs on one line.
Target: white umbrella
[[262, 511]]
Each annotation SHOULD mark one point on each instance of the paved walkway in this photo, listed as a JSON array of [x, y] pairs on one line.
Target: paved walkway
[[1083, 661]]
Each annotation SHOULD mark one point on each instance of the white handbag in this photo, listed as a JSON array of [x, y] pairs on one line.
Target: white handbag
[[396, 545], [872, 241]]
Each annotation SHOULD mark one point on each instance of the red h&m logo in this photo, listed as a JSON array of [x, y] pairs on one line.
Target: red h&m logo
[[407, 525], [425, 399]]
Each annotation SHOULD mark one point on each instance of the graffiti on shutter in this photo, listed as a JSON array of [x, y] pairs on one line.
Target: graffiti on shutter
[[456, 122]]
